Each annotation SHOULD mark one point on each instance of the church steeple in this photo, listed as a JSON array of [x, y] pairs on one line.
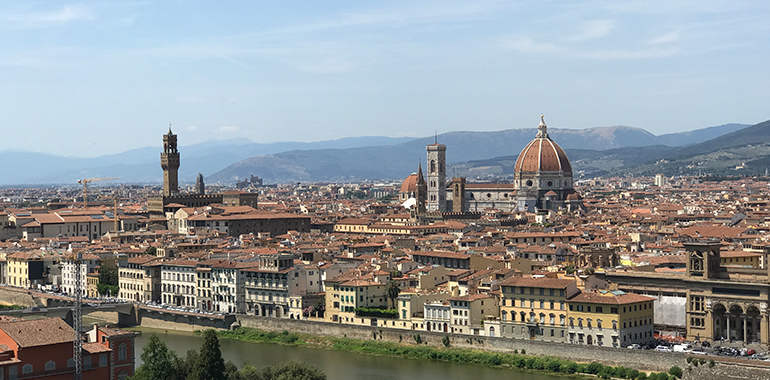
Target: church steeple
[[420, 191]]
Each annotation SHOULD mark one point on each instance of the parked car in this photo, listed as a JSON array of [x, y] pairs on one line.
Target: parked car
[[664, 349], [634, 347]]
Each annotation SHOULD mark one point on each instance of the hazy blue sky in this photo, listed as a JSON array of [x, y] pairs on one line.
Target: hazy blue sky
[[91, 78]]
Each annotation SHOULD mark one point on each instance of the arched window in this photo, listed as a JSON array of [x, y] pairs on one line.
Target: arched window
[[26, 369], [432, 166], [122, 351], [70, 363], [50, 365]]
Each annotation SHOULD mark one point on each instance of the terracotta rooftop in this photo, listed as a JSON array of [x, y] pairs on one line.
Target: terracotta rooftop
[[38, 332]]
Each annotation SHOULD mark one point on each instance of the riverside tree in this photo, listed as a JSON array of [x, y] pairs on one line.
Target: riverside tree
[[159, 361], [210, 365]]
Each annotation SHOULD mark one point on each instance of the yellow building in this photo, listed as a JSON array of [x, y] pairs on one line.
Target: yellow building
[[25, 269], [606, 318], [92, 284], [344, 297], [744, 259], [131, 278], [535, 307]]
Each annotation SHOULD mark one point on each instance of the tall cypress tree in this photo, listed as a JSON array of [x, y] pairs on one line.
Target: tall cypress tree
[[210, 365]]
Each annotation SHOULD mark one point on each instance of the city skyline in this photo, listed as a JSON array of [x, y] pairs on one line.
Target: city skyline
[[109, 77]]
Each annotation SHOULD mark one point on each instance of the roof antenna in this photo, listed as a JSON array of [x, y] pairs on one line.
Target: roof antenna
[[435, 136]]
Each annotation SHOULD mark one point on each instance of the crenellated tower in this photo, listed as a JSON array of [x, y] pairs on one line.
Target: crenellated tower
[[169, 162]]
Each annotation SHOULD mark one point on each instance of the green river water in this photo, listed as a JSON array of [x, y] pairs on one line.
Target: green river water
[[336, 364]]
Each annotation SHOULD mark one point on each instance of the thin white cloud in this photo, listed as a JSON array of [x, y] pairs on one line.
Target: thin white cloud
[[668, 38], [527, 45], [226, 129], [592, 30], [33, 19]]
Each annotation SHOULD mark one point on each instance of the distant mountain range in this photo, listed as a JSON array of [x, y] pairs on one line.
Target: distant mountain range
[[463, 150], [595, 150]]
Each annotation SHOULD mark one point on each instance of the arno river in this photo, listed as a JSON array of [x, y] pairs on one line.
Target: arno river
[[337, 365]]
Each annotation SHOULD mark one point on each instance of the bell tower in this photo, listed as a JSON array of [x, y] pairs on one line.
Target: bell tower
[[436, 177], [169, 162], [703, 259]]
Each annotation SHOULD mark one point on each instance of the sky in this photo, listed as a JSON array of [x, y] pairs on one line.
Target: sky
[[101, 77]]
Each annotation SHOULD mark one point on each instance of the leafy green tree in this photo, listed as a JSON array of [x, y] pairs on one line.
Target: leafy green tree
[[391, 291], [184, 366], [210, 365], [151, 251], [108, 273], [158, 361], [676, 371], [289, 371]]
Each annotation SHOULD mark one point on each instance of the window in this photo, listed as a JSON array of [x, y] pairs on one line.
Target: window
[[50, 365], [26, 369], [103, 360], [122, 351], [13, 372], [70, 363], [87, 362]]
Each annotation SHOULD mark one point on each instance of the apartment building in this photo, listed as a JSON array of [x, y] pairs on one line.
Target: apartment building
[[535, 308], [178, 280], [610, 318]]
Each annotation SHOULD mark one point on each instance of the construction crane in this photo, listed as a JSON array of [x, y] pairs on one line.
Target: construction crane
[[77, 317], [86, 181], [116, 218], [77, 313]]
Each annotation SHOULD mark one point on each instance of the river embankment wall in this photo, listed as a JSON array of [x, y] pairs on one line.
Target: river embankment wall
[[638, 359]]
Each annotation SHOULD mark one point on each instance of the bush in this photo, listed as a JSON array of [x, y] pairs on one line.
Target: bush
[[445, 340], [376, 312], [676, 371], [632, 374], [553, 365], [569, 367], [594, 368], [711, 363]]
